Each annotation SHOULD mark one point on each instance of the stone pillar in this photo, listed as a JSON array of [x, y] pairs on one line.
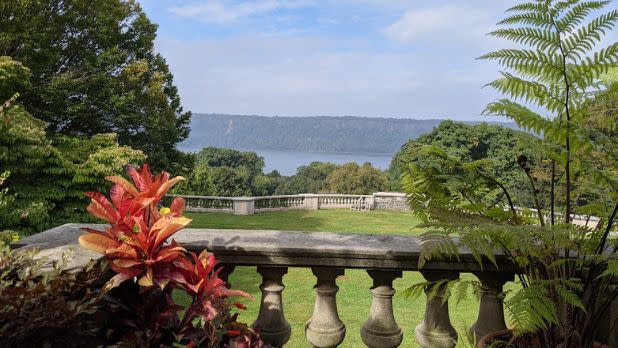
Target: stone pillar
[[325, 329], [225, 272], [381, 330], [491, 309], [312, 201], [244, 206], [275, 330], [436, 331]]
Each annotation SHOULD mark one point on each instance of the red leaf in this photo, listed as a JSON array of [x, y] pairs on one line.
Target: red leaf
[[97, 242], [126, 185]]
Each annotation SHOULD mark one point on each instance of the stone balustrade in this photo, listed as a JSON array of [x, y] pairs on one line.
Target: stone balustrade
[[307, 201], [393, 201], [328, 255]]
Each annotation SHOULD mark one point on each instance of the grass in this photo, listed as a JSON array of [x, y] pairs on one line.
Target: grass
[[354, 298], [388, 222]]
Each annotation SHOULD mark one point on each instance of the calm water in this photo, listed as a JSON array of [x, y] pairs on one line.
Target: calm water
[[286, 162]]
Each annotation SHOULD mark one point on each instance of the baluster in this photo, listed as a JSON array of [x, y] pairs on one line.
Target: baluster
[[225, 272], [436, 331], [325, 329], [274, 328], [491, 309], [381, 330]]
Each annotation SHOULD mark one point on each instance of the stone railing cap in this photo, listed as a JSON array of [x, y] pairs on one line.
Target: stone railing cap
[[284, 248], [389, 194]]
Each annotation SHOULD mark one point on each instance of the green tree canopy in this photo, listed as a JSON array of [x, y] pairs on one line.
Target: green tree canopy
[[219, 157], [94, 70], [46, 178], [308, 179], [351, 178], [498, 147]]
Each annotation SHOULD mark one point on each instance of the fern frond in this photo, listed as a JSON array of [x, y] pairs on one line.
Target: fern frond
[[584, 75], [539, 19], [533, 6], [584, 40], [529, 91], [541, 39], [525, 118], [577, 14], [528, 62], [611, 271], [560, 6], [416, 290], [436, 245], [570, 298], [437, 288], [531, 309]]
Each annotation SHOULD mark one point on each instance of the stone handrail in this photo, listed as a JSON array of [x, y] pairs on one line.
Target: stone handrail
[[276, 203], [253, 205], [328, 255], [209, 204]]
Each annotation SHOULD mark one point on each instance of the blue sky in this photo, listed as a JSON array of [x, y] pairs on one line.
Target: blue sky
[[383, 58]]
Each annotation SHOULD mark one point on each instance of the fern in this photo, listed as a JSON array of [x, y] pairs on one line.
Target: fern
[[555, 71], [548, 86]]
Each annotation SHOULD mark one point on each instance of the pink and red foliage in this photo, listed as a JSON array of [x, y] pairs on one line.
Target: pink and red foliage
[[136, 247]]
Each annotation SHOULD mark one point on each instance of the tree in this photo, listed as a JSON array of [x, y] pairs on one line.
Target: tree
[[218, 157], [47, 177], [38, 171], [198, 182], [229, 182], [94, 70], [351, 178], [498, 146], [308, 179]]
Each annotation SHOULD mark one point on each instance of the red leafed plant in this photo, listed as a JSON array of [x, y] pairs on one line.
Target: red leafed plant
[[148, 268]]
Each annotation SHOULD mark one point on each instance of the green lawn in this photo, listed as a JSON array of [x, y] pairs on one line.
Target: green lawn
[[388, 222], [354, 298]]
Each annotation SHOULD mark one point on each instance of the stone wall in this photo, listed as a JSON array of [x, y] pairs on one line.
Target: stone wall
[[390, 201]]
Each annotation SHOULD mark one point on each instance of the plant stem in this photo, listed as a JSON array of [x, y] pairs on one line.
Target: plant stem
[[608, 228], [552, 193], [535, 195], [506, 192]]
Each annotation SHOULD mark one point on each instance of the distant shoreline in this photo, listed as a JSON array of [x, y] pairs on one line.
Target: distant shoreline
[[184, 149], [315, 134]]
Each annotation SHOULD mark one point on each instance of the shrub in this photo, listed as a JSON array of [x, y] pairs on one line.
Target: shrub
[[42, 305]]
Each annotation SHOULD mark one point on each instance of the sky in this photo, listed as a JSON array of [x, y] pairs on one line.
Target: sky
[[378, 58]]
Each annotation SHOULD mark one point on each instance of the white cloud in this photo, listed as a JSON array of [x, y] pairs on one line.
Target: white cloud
[[447, 20], [222, 11]]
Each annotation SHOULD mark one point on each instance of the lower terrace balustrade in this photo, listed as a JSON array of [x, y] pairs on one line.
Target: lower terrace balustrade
[[384, 257], [393, 201]]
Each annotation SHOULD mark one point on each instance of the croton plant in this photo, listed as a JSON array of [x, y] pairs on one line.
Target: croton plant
[[148, 268]]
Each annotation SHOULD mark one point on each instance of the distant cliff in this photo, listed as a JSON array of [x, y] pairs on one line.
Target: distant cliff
[[309, 134]]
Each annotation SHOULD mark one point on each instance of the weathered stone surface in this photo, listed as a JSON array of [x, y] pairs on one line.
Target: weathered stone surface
[[244, 206], [325, 329], [390, 201], [381, 330], [282, 248], [491, 311], [312, 201], [274, 328], [436, 330]]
